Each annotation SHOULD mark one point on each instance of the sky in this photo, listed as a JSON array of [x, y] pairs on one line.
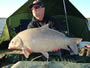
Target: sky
[[83, 6], [8, 7]]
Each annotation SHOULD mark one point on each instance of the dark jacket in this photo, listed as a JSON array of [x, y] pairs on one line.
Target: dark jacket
[[53, 23]]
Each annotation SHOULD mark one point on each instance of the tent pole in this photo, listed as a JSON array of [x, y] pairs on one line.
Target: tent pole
[[66, 16]]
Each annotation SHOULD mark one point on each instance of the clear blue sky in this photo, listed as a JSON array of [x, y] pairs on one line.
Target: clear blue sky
[[8, 7], [83, 6]]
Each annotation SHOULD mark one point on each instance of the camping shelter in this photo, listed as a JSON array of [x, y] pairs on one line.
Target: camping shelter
[[19, 20]]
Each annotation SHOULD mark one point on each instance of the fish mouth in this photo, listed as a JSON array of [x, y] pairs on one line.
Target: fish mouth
[[10, 48], [15, 49]]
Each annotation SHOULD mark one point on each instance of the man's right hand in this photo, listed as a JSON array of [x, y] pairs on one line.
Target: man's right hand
[[56, 49]]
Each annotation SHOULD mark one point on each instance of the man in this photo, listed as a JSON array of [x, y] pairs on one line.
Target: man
[[40, 18]]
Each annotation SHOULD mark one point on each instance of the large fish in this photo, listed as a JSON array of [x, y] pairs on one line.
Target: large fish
[[42, 40]]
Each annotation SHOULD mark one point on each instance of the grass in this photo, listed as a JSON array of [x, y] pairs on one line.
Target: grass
[[35, 60], [50, 64]]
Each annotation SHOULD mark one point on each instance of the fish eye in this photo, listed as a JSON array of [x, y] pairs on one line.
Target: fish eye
[[12, 42]]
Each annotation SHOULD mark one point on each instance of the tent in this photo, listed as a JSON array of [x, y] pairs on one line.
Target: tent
[[19, 20]]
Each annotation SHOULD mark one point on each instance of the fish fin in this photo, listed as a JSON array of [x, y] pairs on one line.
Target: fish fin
[[26, 54], [77, 40], [73, 45], [74, 48], [45, 54], [45, 26]]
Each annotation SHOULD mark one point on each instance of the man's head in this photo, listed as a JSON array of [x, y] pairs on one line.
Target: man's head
[[38, 9]]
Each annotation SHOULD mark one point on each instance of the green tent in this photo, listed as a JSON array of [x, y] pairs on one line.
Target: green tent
[[77, 23]]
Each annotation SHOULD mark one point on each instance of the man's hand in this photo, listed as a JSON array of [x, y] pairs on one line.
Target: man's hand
[[57, 49]]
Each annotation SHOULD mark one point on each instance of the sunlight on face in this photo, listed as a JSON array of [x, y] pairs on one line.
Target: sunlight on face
[[38, 13]]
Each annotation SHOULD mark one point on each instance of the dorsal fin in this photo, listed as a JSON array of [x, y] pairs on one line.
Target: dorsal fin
[[45, 27]]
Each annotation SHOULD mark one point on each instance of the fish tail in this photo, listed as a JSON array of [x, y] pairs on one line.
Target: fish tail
[[76, 40], [73, 44]]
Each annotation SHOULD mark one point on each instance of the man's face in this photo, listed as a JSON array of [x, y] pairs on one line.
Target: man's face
[[38, 11]]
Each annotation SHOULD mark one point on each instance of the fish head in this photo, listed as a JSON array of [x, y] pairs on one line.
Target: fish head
[[15, 43]]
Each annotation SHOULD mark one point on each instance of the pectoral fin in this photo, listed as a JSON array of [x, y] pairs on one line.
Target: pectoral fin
[[26, 54], [45, 54]]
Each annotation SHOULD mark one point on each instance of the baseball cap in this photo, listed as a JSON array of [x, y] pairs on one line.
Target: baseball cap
[[36, 2]]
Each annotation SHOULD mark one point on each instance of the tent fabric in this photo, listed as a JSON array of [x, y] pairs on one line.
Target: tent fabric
[[56, 6]]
